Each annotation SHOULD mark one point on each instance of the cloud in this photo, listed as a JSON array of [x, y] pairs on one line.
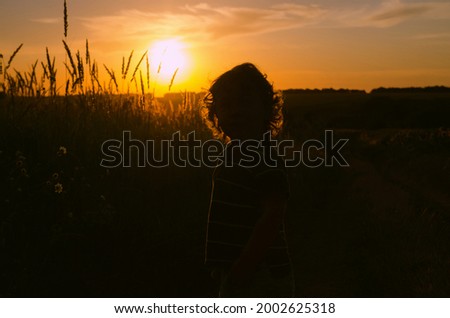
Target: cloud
[[47, 20], [432, 36], [229, 21], [204, 21], [207, 22], [395, 12]]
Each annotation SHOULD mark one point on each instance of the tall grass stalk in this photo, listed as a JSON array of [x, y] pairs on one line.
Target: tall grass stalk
[[12, 57], [73, 71], [66, 20], [148, 72], [80, 68], [137, 66], [112, 77], [142, 83], [173, 78], [51, 73], [66, 27], [126, 68], [88, 55]]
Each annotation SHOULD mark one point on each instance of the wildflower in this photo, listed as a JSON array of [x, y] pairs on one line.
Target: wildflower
[[19, 163], [24, 172], [55, 176], [48, 183], [58, 188], [62, 151]]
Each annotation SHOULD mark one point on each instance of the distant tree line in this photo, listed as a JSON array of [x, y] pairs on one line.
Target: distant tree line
[[428, 89], [323, 90]]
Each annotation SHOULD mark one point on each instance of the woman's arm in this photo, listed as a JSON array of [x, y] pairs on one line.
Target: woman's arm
[[263, 236]]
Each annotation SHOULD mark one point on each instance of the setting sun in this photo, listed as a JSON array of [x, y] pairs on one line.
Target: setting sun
[[168, 60]]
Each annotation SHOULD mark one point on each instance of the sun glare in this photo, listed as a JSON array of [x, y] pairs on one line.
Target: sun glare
[[168, 59]]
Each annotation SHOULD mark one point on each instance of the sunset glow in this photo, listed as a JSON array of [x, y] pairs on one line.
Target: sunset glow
[[298, 44], [168, 60]]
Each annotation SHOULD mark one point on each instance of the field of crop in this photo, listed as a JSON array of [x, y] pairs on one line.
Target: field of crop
[[69, 227]]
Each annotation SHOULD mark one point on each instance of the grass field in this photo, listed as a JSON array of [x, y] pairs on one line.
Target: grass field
[[69, 227]]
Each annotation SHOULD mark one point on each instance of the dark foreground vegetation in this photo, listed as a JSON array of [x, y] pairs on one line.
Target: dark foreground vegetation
[[68, 227]]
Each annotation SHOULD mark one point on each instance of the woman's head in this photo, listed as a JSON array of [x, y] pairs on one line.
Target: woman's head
[[242, 104]]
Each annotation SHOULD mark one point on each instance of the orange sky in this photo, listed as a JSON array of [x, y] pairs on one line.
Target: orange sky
[[299, 44]]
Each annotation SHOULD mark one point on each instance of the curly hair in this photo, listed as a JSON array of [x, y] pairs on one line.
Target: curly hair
[[242, 80]]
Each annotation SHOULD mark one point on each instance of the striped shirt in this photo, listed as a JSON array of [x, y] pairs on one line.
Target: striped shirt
[[235, 208]]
